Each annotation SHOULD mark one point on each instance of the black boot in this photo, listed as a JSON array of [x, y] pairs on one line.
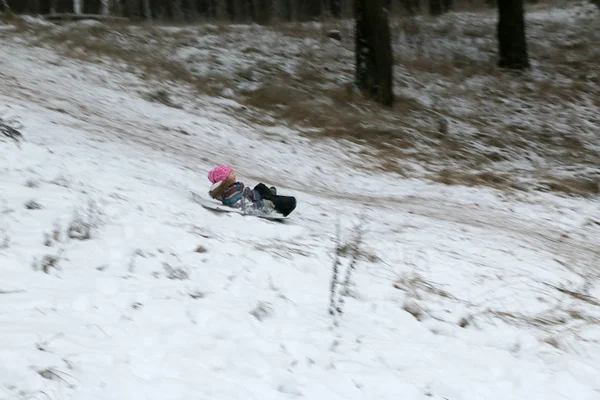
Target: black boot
[[282, 204]]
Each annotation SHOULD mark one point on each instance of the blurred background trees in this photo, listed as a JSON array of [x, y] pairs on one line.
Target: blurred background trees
[[260, 11]]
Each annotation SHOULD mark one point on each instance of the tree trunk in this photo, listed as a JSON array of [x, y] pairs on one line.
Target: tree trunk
[[286, 10], [118, 8], [313, 8], [374, 59], [239, 10], [447, 5], [335, 8], [147, 10], [294, 9], [77, 6], [220, 9], [91, 7], [44, 7], [308, 9], [512, 43], [131, 9], [189, 10], [176, 10], [435, 7], [410, 7], [262, 11]]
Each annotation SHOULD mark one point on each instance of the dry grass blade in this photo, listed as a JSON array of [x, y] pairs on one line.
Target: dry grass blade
[[576, 295]]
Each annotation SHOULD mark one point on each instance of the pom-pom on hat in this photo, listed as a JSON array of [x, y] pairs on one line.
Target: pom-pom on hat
[[219, 173]]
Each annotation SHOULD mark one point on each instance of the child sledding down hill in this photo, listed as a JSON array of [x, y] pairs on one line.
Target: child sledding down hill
[[235, 194]]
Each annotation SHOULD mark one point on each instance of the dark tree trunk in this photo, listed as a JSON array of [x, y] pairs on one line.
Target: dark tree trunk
[[249, 4], [335, 8], [25, 6], [44, 6], [238, 10], [201, 8], [313, 8], [92, 7], [147, 10], [263, 11], [286, 10], [13, 6], [374, 60], [435, 7], [214, 9], [411, 7], [117, 8], [190, 9], [447, 5], [63, 6], [512, 43], [176, 10], [132, 9], [211, 9], [309, 9], [160, 8], [220, 9], [230, 9]]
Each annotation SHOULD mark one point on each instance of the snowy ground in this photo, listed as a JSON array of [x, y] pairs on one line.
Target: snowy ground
[[460, 293], [458, 119]]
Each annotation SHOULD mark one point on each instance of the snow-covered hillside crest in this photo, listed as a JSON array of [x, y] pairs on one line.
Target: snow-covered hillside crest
[[115, 284]]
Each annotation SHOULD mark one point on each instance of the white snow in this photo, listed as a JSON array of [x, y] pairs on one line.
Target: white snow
[[249, 318]]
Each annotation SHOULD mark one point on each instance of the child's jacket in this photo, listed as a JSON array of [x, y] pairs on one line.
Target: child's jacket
[[239, 196], [232, 196]]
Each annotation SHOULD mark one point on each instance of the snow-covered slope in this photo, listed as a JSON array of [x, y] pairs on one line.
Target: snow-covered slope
[[458, 293]]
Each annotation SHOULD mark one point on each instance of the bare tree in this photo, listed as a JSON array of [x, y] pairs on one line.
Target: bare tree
[[374, 59], [238, 10], [147, 10], [105, 9], [410, 7], [335, 8], [435, 7], [313, 8], [263, 11], [285, 9], [512, 43], [220, 9], [308, 9], [438, 7], [62, 6], [175, 10]]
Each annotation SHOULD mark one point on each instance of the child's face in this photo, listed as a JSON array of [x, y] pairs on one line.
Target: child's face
[[231, 178]]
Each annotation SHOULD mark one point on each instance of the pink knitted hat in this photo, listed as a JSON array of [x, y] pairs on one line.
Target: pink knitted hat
[[219, 173]]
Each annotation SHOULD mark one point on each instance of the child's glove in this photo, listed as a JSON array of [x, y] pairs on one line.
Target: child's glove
[[250, 200], [248, 194]]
